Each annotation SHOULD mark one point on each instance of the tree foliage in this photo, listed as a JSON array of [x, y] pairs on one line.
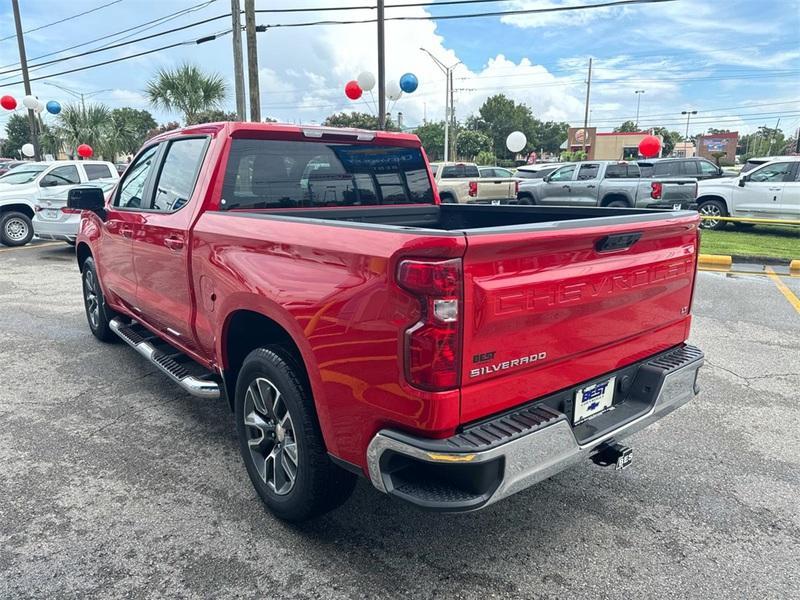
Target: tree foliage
[[626, 127], [498, 116], [163, 128], [358, 120], [17, 134], [187, 90], [90, 124], [212, 116], [486, 158], [432, 137], [470, 143], [668, 139], [131, 127], [767, 141]]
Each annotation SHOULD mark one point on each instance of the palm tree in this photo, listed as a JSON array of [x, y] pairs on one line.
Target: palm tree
[[91, 125], [186, 89]]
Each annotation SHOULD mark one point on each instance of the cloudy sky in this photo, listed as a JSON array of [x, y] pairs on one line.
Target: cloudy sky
[[737, 62]]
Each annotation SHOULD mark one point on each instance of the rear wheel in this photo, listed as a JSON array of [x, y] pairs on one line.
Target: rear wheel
[[712, 208], [16, 229], [526, 199], [281, 442]]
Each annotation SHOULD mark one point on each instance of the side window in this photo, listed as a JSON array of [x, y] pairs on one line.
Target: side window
[[706, 168], [563, 174], [179, 174], [66, 175], [588, 172], [690, 167], [667, 168], [772, 173], [97, 171], [131, 190]]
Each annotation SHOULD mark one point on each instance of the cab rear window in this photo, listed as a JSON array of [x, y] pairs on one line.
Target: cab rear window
[[297, 174]]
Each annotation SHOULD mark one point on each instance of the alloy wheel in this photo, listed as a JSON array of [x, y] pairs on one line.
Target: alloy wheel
[[271, 436], [91, 298], [709, 210]]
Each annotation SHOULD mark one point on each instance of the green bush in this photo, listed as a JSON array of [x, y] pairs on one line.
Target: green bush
[[484, 157]]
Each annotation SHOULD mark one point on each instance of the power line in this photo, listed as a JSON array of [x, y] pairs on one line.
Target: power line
[[60, 21], [158, 21], [119, 45]]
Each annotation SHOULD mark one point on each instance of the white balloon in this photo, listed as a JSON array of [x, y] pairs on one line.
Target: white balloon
[[393, 91], [39, 106], [29, 101], [516, 141], [27, 149], [366, 80]]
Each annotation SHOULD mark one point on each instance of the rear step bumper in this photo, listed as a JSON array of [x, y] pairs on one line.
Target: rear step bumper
[[510, 452], [196, 386]]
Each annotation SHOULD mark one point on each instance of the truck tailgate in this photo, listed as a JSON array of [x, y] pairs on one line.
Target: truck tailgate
[[551, 307]]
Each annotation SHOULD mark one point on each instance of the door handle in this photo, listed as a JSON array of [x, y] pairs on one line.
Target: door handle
[[566, 187], [173, 243], [126, 232], [591, 187], [775, 189]]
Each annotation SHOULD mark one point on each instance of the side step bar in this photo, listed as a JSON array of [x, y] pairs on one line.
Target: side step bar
[[196, 386]]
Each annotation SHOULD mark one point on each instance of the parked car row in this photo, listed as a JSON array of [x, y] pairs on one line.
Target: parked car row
[[31, 184]]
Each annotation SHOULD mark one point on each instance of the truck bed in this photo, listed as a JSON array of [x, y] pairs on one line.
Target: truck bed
[[457, 218]]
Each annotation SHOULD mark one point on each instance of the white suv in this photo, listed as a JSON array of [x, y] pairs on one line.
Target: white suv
[[769, 191], [25, 186]]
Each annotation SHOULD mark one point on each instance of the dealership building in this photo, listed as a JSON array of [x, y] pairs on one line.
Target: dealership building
[[605, 146]]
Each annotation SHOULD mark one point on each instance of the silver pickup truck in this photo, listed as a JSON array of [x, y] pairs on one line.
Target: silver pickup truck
[[607, 183]]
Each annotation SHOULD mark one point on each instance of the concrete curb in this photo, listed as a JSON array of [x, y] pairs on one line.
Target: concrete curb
[[715, 260]]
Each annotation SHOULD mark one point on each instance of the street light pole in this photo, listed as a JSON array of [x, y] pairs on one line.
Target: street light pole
[[381, 69], [448, 98], [638, 103], [688, 114]]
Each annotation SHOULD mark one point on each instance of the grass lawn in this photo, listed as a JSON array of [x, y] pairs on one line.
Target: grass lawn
[[761, 240]]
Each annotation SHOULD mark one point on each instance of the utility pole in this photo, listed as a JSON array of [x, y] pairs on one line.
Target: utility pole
[[381, 70], [638, 103], [23, 61], [772, 136], [252, 59], [688, 114], [454, 137], [586, 108], [238, 64]]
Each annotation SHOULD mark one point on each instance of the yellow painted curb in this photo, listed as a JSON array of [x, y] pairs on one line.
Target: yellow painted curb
[[717, 260], [794, 265]]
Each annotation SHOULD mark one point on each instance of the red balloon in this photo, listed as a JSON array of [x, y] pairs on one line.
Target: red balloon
[[649, 146], [85, 150], [352, 90], [8, 102]]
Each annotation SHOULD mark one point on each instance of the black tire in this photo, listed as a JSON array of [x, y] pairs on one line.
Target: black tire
[[317, 484], [526, 199], [711, 208], [16, 228], [618, 204], [97, 313], [447, 198]]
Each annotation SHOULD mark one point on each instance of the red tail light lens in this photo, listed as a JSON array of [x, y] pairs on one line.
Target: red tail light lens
[[655, 190], [473, 188], [516, 187], [433, 345], [70, 211]]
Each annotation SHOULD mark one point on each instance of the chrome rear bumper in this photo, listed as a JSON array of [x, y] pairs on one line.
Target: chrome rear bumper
[[500, 457]]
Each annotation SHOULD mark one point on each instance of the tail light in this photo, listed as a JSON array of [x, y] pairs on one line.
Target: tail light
[[70, 211], [655, 190], [516, 187], [473, 188], [433, 345]]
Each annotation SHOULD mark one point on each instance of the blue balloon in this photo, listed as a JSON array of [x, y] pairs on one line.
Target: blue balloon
[[408, 83], [53, 107]]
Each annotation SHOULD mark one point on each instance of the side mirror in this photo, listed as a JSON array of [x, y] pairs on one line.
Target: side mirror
[[48, 183], [87, 198], [742, 179], [546, 178]]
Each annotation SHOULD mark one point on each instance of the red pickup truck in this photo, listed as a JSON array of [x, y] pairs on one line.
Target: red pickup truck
[[452, 354]]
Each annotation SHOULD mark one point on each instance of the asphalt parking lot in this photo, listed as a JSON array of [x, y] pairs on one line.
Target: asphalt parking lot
[[113, 483]]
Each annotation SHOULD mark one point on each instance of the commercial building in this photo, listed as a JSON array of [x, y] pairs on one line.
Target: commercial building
[[605, 146], [708, 145], [683, 150]]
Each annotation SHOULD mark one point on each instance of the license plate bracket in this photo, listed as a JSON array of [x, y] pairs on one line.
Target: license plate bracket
[[593, 399]]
